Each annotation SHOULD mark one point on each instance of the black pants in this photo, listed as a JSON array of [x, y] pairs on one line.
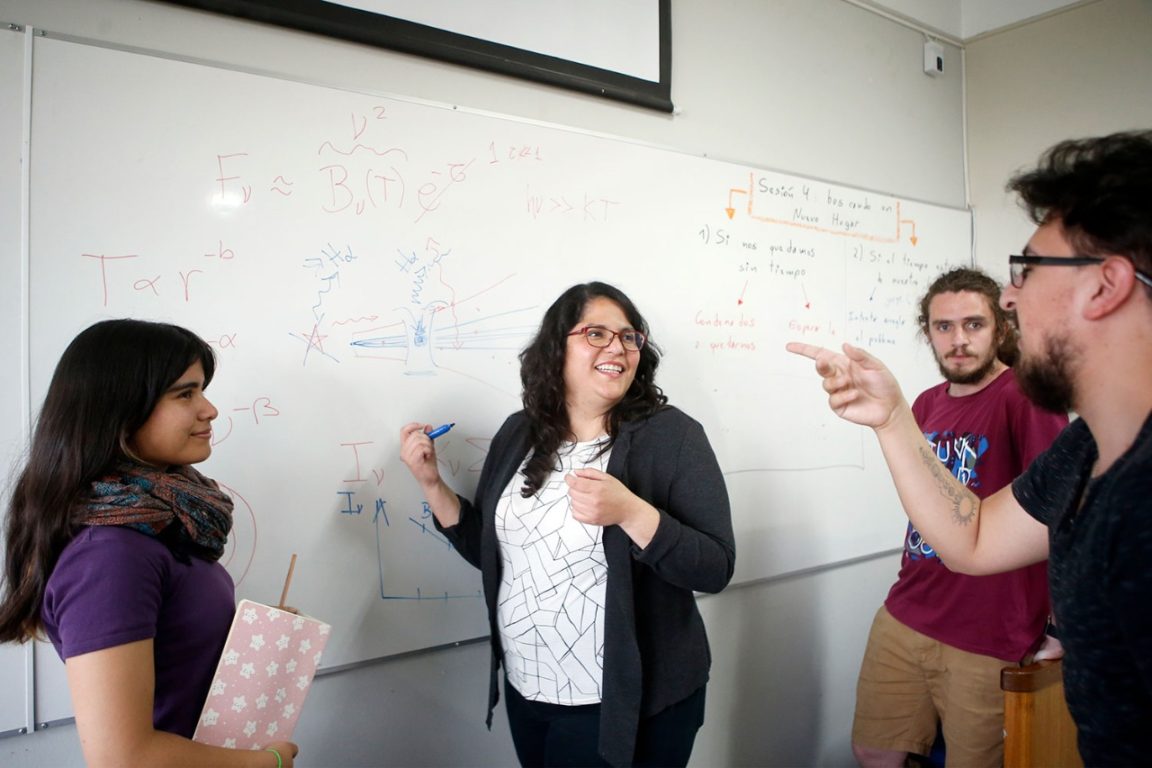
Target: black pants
[[553, 735]]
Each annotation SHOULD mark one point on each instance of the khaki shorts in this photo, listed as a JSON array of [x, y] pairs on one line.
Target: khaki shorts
[[908, 680]]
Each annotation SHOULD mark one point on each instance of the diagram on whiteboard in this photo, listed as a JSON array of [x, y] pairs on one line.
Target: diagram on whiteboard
[[359, 262]]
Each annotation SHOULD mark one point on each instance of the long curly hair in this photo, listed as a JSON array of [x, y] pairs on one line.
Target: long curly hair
[[972, 280], [105, 387], [542, 379]]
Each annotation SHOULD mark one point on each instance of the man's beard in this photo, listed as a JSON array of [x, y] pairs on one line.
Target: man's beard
[[1047, 380], [972, 377]]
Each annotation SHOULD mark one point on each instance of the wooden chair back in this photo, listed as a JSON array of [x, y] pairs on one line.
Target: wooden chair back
[[1038, 730]]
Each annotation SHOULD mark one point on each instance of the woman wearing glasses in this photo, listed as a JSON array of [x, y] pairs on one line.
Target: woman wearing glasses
[[599, 511]]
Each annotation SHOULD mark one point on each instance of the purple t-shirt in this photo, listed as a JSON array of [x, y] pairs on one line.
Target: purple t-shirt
[[114, 585]]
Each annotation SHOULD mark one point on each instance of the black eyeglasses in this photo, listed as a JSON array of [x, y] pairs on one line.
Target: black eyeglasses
[[1017, 266], [599, 337]]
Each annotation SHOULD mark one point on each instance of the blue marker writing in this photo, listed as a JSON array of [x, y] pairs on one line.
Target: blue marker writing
[[440, 431]]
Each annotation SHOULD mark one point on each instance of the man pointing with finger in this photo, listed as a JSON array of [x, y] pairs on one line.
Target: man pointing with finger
[[1082, 291], [938, 643]]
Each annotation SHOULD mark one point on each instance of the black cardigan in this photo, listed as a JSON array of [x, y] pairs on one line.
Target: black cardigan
[[655, 648]]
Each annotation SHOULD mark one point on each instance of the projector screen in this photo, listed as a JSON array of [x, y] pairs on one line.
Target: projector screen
[[619, 49]]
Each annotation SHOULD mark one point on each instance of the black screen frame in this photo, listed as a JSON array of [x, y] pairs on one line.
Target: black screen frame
[[409, 37]]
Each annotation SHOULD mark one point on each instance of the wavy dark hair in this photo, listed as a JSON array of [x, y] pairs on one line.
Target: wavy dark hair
[[1101, 190], [103, 390], [541, 375], [975, 281]]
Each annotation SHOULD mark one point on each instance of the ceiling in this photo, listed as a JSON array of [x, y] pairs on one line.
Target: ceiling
[[965, 19]]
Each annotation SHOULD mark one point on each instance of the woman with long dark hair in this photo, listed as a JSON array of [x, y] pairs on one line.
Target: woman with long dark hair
[[112, 543], [599, 511]]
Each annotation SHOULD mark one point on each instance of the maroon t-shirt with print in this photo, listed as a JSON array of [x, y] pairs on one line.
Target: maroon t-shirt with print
[[985, 440]]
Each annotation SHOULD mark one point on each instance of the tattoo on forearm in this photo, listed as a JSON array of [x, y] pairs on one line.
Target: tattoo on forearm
[[964, 502]]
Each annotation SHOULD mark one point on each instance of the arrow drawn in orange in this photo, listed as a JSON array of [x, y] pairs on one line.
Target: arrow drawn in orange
[[912, 238], [731, 209]]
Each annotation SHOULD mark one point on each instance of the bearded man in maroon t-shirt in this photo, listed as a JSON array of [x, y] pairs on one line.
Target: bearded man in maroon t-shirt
[[939, 641]]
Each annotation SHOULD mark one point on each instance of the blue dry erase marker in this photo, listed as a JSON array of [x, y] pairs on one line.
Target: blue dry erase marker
[[440, 430]]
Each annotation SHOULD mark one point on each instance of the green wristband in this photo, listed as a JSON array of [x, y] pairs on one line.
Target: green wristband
[[279, 760]]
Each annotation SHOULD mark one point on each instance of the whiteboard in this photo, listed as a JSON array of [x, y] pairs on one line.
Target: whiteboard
[[360, 261], [13, 658]]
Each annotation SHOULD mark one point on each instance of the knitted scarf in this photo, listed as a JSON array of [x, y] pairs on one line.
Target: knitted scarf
[[181, 507]]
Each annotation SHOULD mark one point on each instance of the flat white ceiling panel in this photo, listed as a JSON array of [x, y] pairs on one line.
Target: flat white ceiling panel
[[963, 19]]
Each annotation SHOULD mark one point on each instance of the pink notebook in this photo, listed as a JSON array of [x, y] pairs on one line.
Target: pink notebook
[[265, 671]]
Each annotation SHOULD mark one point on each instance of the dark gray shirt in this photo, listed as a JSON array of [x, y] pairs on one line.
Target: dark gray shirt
[[1100, 576]]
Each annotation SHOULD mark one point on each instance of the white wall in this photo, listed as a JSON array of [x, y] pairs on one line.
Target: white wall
[[1084, 72], [821, 88]]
